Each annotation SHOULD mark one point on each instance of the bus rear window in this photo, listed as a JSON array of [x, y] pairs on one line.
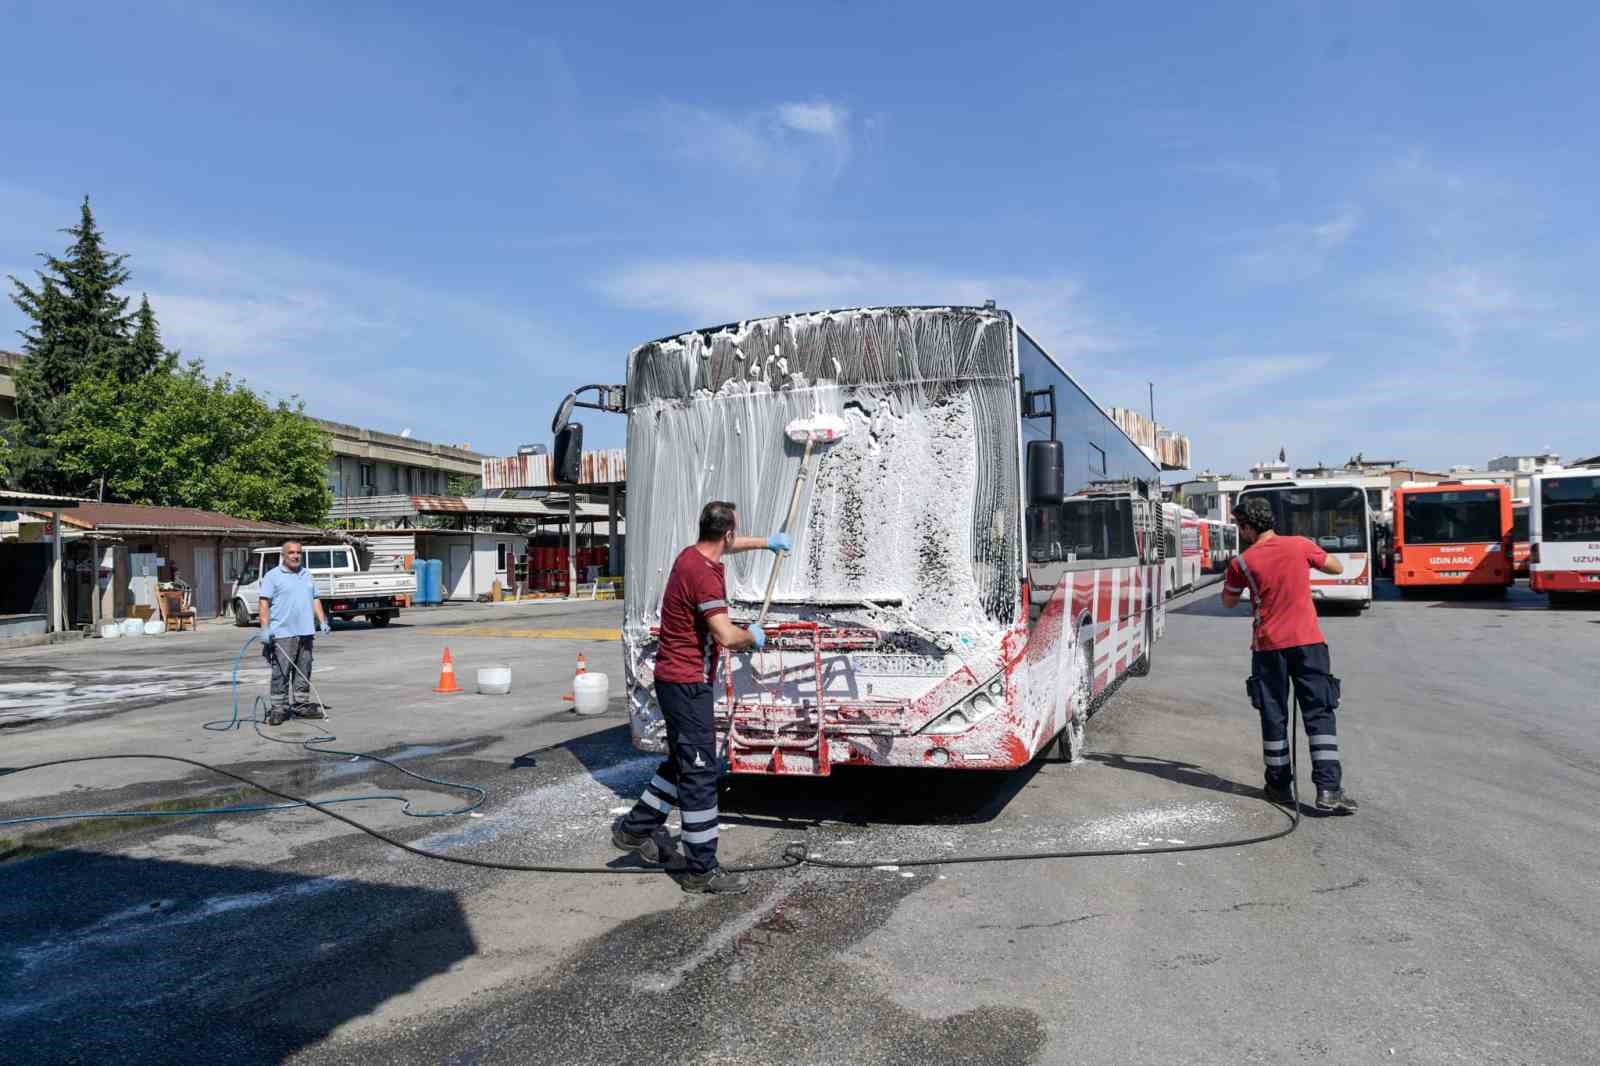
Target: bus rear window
[[1569, 509], [1452, 517]]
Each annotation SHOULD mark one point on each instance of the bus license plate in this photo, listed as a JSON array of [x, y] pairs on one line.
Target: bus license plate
[[897, 665], [1452, 573]]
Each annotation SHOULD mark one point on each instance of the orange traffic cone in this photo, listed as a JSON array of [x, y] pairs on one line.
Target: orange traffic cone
[[447, 675], [582, 669]]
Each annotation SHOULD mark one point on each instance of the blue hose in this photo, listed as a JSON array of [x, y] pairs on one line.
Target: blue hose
[[236, 721]]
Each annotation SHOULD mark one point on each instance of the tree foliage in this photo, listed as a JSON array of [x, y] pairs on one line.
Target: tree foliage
[[103, 406]]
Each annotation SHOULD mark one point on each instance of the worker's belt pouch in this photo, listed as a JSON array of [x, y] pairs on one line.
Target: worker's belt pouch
[[1252, 688]]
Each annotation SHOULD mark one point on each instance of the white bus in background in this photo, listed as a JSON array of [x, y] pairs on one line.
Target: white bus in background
[[1337, 515], [1181, 558], [1564, 534]]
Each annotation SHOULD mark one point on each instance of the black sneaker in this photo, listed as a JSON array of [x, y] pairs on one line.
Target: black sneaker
[[717, 882], [1279, 794], [1334, 801], [655, 847], [309, 710], [277, 715]]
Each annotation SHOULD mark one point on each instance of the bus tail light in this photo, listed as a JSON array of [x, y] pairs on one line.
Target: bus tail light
[[973, 708]]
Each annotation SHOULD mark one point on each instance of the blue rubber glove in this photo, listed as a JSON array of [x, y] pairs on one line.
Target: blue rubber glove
[[780, 542], [326, 628], [760, 636]]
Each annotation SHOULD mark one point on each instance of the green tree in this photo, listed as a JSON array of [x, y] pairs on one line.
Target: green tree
[[178, 439], [146, 354], [80, 328]]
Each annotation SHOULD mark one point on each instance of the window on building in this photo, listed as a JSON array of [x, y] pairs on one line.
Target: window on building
[[367, 478], [504, 554]]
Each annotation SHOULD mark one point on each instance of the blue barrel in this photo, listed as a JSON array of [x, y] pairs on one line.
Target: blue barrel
[[435, 581], [419, 570]]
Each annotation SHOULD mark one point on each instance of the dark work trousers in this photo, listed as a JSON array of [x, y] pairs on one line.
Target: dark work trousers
[[688, 778], [291, 684], [1306, 667]]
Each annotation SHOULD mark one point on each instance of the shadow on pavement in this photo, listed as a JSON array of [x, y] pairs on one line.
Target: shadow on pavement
[[873, 795], [1183, 773], [129, 960]]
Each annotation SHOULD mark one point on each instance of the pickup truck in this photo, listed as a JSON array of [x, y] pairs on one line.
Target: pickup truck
[[344, 590]]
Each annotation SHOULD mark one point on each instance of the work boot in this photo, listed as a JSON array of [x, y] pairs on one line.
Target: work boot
[[1334, 801], [308, 710], [277, 714], [716, 882], [1280, 794], [655, 847]]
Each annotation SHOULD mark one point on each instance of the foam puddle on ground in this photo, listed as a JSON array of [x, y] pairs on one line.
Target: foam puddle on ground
[[60, 694]]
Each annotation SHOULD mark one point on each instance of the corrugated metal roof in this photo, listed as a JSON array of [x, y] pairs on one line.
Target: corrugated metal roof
[[380, 507], [136, 517], [599, 467], [22, 501]]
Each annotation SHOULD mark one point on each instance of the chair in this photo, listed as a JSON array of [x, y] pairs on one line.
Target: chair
[[176, 610]]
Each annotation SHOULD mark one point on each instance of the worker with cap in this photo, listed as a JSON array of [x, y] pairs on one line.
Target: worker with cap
[[694, 628], [1287, 648]]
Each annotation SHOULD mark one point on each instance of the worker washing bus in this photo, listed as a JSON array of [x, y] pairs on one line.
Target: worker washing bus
[[1287, 647]]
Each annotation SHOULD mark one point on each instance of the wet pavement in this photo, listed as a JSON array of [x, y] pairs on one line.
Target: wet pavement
[[1450, 921]]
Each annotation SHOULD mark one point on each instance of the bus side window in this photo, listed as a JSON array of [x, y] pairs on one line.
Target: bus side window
[[1044, 534]]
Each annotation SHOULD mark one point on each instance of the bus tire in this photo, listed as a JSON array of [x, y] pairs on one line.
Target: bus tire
[[1141, 665], [241, 617]]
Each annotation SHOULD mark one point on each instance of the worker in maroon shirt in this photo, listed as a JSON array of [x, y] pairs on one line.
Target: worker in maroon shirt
[[694, 626], [1288, 647]]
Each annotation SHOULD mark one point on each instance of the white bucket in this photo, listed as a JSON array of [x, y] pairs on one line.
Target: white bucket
[[494, 680], [110, 630], [133, 627], [154, 627], [590, 693]]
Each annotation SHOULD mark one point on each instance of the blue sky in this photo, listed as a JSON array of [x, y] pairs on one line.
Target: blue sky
[[1322, 226]]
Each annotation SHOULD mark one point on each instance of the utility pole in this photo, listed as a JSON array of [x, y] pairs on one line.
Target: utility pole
[[1152, 407]]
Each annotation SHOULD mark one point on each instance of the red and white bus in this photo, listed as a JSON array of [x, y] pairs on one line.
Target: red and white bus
[[1519, 536], [1338, 516], [1181, 560], [1452, 534], [976, 561], [1564, 534]]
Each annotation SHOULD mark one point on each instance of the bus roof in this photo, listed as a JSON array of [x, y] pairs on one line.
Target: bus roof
[[1303, 483]]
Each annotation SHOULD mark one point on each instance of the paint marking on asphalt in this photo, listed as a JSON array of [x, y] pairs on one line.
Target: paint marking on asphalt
[[534, 634]]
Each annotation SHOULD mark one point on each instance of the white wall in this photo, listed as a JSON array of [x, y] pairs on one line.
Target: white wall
[[486, 557]]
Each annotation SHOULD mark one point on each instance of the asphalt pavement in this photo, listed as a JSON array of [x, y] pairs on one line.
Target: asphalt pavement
[[1453, 920]]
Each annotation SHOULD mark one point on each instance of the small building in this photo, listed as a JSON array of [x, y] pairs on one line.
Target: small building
[[129, 550]]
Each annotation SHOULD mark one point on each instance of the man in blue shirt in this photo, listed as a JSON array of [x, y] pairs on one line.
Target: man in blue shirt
[[291, 614]]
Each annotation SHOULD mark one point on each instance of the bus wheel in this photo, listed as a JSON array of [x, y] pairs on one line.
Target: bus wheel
[[1069, 742], [241, 617], [1141, 666]]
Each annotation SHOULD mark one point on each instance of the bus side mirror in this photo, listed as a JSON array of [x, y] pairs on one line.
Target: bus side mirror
[[566, 459], [1046, 477]]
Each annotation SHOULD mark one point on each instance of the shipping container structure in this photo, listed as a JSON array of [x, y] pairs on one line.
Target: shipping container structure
[[976, 562], [1452, 534]]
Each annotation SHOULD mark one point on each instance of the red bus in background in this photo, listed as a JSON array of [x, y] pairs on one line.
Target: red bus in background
[[1219, 543], [1519, 537], [1452, 534]]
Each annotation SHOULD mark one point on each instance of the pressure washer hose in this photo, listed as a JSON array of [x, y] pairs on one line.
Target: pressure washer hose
[[795, 853]]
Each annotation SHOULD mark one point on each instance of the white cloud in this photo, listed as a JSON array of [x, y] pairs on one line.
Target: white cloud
[[1296, 251], [706, 291], [820, 117], [792, 141]]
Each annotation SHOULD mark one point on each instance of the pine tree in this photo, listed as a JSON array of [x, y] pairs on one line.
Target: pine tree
[[145, 352], [80, 328]]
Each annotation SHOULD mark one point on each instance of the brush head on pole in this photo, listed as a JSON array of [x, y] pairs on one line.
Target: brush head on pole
[[818, 429]]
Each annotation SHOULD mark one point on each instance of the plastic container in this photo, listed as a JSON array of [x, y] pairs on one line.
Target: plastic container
[[155, 627], [133, 627], [110, 630], [435, 581], [590, 693], [419, 570], [494, 680]]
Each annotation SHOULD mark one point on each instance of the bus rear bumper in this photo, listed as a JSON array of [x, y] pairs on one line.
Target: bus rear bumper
[[1565, 581]]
